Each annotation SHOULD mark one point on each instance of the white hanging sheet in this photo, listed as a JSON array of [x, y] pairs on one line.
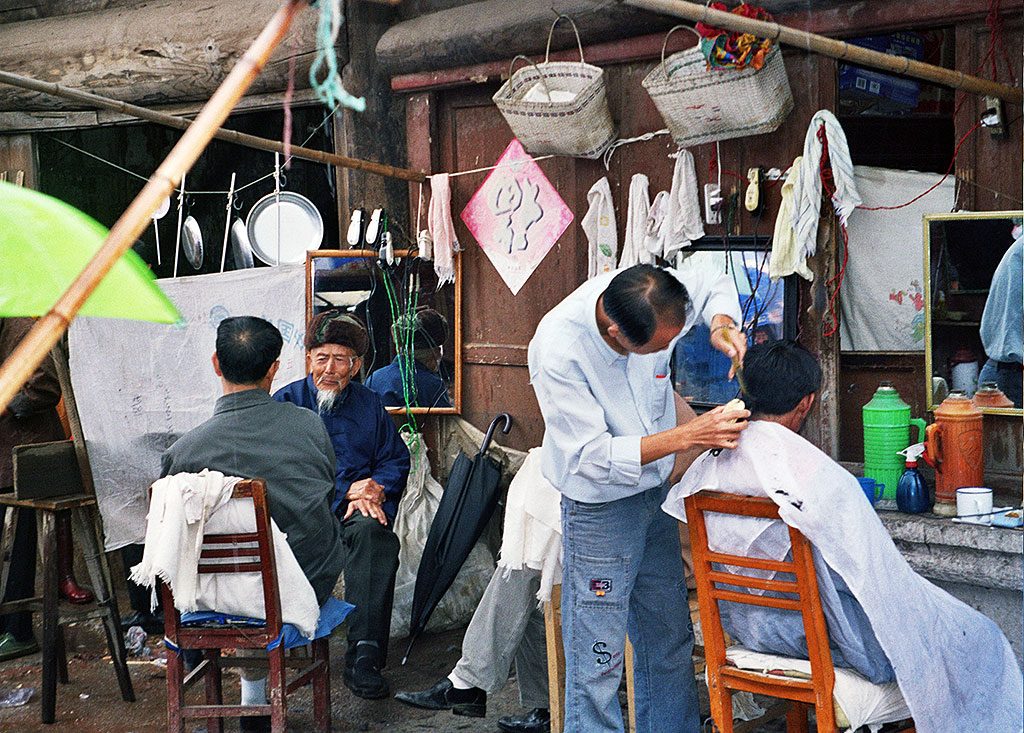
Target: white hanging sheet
[[882, 299], [140, 386]]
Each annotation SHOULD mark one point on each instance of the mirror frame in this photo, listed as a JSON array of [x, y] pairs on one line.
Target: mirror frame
[[927, 221], [456, 409]]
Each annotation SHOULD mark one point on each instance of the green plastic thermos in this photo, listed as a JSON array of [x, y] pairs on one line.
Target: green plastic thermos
[[887, 424]]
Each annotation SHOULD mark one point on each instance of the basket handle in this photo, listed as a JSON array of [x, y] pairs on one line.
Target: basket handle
[[547, 51], [540, 74], [664, 45]]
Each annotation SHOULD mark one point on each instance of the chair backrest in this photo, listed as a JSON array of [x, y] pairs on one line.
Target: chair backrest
[[800, 595], [251, 552]]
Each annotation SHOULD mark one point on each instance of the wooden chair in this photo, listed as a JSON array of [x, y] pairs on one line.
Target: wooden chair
[[314, 668], [801, 595]]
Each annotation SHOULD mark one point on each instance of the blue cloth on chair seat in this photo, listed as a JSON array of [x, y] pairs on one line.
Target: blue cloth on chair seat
[[332, 614]]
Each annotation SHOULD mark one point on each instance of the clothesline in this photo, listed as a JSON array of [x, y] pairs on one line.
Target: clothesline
[[517, 164], [141, 177]]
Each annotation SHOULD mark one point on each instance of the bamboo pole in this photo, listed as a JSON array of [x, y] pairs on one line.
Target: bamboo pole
[[24, 360], [231, 136], [833, 48]]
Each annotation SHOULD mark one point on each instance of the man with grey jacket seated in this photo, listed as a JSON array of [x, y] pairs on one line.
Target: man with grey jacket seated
[[253, 436]]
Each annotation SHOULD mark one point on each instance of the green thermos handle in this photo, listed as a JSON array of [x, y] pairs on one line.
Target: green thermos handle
[[921, 425]]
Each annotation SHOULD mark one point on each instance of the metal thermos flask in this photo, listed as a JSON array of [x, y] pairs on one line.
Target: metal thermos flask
[[953, 447]]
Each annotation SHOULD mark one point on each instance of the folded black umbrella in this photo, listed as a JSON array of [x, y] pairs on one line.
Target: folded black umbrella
[[470, 498]]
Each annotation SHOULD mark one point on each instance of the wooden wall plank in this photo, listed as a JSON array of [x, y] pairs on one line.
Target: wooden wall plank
[[153, 53]]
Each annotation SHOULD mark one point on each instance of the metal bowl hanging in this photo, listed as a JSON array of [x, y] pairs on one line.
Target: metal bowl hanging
[[192, 242], [241, 250], [282, 227]]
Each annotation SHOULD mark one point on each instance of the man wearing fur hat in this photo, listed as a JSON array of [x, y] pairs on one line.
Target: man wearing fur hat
[[371, 470]]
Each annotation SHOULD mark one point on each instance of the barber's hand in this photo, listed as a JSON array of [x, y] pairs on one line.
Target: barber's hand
[[367, 489], [367, 508], [729, 339], [717, 428]]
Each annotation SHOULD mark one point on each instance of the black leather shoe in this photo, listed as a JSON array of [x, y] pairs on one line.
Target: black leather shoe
[[537, 720], [362, 673], [444, 696], [254, 724]]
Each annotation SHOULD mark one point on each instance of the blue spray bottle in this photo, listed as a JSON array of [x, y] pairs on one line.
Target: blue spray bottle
[[911, 491]]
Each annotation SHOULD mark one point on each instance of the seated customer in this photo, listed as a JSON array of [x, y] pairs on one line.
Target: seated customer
[[422, 335], [953, 665], [252, 436], [369, 477]]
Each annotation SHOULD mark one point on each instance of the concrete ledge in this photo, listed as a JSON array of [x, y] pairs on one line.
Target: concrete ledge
[[939, 549]]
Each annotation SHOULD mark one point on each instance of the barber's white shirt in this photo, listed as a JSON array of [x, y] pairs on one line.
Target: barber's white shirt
[[597, 404]]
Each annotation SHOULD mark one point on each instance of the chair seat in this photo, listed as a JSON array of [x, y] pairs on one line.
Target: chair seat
[[332, 614], [857, 701]]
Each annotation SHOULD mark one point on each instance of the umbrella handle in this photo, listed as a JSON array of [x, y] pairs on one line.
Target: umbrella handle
[[490, 431]]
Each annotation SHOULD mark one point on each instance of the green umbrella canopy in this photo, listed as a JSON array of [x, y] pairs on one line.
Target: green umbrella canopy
[[45, 244]]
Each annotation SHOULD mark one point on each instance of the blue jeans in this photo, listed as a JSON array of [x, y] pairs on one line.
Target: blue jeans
[[622, 571]]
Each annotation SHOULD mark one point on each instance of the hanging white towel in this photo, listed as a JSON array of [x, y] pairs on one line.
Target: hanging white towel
[[441, 227], [532, 536], [599, 226], [634, 248], [786, 257], [807, 186], [652, 230], [185, 508], [682, 223]]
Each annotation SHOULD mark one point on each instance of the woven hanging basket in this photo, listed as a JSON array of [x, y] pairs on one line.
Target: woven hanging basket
[[581, 127], [701, 105]]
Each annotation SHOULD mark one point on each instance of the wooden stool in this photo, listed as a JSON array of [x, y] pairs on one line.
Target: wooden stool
[[82, 508]]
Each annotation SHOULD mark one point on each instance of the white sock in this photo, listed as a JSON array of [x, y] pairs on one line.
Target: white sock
[[254, 692], [458, 683]]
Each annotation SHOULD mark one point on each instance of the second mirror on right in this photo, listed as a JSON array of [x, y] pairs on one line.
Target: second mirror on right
[[973, 307]]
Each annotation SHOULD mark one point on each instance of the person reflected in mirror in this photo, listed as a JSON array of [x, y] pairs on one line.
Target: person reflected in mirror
[[1002, 325], [413, 378], [370, 473]]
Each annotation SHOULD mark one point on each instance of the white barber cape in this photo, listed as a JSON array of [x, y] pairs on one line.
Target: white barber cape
[[953, 665], [182, 509], [532, 534]]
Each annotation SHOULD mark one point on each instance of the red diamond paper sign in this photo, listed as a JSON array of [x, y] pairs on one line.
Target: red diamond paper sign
[[516, 216]]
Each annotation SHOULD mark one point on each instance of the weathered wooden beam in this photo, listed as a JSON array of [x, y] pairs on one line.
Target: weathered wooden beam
[[160, 52], [50, 120], [231, 136], [839, 20], [497, 29]]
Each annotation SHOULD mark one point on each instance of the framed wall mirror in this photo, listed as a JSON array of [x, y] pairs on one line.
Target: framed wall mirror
[[973, 307], [700, 372], [415, 328]]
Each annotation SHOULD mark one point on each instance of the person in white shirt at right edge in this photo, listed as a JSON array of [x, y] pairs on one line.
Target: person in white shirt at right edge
[[600, 366], [953, 665]]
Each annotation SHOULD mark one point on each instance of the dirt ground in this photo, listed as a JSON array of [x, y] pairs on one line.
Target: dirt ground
[[91, 702]]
